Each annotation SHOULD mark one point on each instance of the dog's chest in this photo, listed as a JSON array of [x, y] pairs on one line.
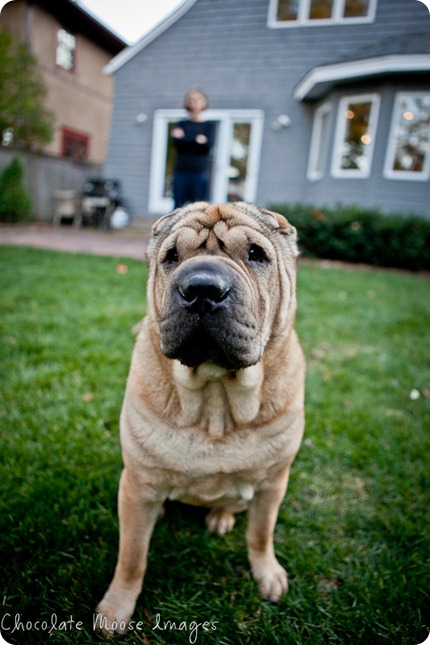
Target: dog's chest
[[217, 490], [215, 414], [216, 402]]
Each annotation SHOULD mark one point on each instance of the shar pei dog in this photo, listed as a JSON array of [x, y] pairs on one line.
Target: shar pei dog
[[213, 413]]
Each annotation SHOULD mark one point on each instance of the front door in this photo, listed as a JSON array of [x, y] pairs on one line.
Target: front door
[[234, 160]]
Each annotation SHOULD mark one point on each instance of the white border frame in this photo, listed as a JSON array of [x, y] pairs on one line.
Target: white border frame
[[317, 141], [304, 21], [403, 175], [336, 170], [157, 203]]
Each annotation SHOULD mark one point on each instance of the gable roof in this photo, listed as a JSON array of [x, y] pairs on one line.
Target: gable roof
[[130, 52], [76, 18], [407, 53]]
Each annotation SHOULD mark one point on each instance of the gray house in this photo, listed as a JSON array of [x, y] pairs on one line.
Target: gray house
[[315, 101]]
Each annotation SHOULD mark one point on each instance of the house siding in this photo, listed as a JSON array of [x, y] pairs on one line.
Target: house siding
[[227, 48], [80, 99]]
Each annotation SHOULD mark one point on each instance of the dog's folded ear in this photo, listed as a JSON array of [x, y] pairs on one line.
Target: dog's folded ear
[[284, 227], [162, 224], [278, 221]]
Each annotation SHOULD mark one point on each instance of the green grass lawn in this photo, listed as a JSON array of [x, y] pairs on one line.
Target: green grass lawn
[[353, 531]]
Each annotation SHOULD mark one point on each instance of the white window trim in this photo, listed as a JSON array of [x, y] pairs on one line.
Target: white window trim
[[403, 175], [157, 203], [316, 142], [336, 170], [304, 21]]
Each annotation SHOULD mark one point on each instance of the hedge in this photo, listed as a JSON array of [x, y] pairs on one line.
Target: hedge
[[356, 234]]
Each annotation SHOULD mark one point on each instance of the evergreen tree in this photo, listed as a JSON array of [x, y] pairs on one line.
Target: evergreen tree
[[24, 121]]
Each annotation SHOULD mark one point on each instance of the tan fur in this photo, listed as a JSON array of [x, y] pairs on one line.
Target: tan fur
[[208, 435]]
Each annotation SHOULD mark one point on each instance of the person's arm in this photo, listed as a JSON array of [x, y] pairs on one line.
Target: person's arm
[[181, 133], [177, 133], [206, 140]]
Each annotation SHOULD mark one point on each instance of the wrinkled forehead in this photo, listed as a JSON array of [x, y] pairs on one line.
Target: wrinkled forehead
[[202, 225]]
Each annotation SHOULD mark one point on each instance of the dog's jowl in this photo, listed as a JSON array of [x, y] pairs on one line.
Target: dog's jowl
[[213, 412]]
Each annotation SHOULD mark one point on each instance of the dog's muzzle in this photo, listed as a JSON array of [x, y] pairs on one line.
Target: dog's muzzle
[[207, 318]]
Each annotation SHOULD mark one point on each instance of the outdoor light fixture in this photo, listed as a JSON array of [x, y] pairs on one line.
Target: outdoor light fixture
[[141, 118], [283, 121]]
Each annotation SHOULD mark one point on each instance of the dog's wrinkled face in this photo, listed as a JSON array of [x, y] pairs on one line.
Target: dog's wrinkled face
[[219, 274]]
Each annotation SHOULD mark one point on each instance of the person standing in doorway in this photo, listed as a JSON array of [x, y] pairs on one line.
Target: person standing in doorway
[[193, 139]]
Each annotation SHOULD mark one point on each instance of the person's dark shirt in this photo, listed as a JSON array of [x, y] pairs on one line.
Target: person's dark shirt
[[192, 156]]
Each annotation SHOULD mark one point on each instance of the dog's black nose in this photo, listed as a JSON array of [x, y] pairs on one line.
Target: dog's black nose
[[202, 291]]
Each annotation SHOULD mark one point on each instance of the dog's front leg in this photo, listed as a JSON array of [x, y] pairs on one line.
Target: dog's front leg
[[262, 516], [137, 517]]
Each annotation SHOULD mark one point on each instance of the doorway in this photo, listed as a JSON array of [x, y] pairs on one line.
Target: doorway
[[234, 162]]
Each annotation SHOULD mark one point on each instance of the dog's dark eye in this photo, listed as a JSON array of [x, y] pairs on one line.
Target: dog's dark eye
[[172, 256], [257, 254]]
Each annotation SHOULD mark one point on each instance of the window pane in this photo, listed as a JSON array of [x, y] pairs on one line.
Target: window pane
[[75, 145], [412, 134], [66, 44], [320, 142], [170, 162], [238, 161], [288, 9], [321, 9], [323, 143], [357, 137], [356, 8]]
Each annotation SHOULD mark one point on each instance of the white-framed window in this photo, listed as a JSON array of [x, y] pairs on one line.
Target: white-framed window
[[235, 157], [66, 50], [320, 142], [355, 136], [308, 13], [408, 153]]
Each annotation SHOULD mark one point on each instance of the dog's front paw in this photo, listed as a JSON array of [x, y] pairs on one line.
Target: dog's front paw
[[112, 617], [272, 581]]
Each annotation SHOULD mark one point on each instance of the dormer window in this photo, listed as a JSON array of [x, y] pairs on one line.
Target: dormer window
[[66, 50], [305, 13]]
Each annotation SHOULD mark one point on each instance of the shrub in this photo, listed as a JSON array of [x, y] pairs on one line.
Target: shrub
[[356, 234], [15, 203]]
